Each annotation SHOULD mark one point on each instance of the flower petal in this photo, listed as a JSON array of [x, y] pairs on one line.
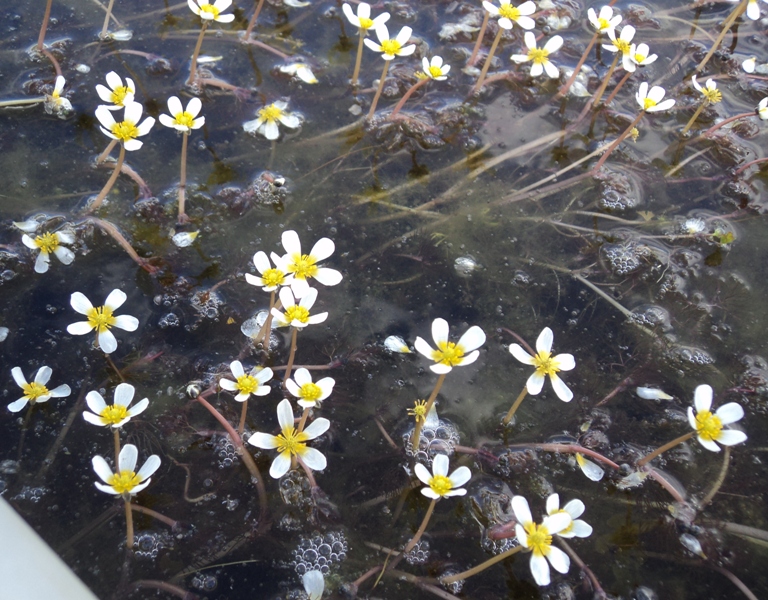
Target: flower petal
[[702, 398], [472, 339], [80, 303], [517, 351], [553, 503], [107, 342], [314, 459], [544, 341], [102, 468], [139, 407], [18, 377], [440, 330], [422, 347], [460, 476], [422, 473], [128, 457], [280, 465], [729, 413], [17, 405], [563, 391], [126, 323], [535, 383], [558, 559], [317, 428], [522, 510], [540, 569], [730, 437], [263, 440], [285, 414]]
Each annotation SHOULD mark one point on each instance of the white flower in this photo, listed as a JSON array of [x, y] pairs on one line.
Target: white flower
[[56, 103], [394, 343], [545, 364], [118, 414], [439, 483], [271, 277], [116, 95], [310, 394], [709, 426], [650, 100], [449, 354], [267, 118], [749, 64], [574, 509], [292, 443], [129, 128], [209, 12], [304, 266], [538, 539], [390, 48], [300, 70], [181, 119], [709, 91], [605, 20], [508, 13], [640, 55], [36, 391], [47, 243], [622, 44], [102, 319], [540, 56], [247, 383], [184, 239], [762, 109], [590, 469], [313, 581], [297, 315], [648, 393], [753, 10], [435, 69], [125, 482], [362, 20]]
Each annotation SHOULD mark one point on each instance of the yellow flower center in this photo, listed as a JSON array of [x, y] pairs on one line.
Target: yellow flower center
[[100, 318], [273, 277], [119, 94], [365, 24], [545, 363], [302, 266], [622, 46], [48, 242], [435, 72], [114, 414], [210, 9], [712, 95], [247, 384], [390, 47], [270, 113], [419, 410], [639, 58], [125, 130], [603, 24], [510, 12], [124, 481], [310, 391], [32, 391], [291, 441], [538, 55], [440, 484], [185, 119], [448, 353], [648, 103], [708, 426], [296, 313], [539, 539]]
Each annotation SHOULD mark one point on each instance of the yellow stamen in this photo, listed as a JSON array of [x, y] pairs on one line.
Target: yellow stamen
[[545, 364], [448, 353], [302, 266], [186, 119], [124, 481], [603, 24], [273, 277], [435, 72], [538, 55], [292, 442], [100, 318], [270, 113], [114, 414], [419, 411], [440, 484], [708, 426], [365, 24], [539, 539], [32, 391], [247, 384], [125, 130], [210, 9], [390, 47], [648, 103], [119, 94], [712, 95], [310, 391], [296, 313], [510, 12], [48, 242], [622, 46]]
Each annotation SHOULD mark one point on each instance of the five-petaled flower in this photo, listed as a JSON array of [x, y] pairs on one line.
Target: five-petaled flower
[[211, 12], [126, 482], [36, 391], [651, 100], [641, 55], [439, 484], [540, 56], [509, 14], [102, 319], [362, 20], [710, 92], [267, 118], [708, 426], [47, 243], [435, 69], [574, 509], [391, 47], [304, 266], [309, 394], [181, 119], [127, 130], [538, 540], [271, 277], [297, 315], [545, 364], [290, 442], [605, 20], [118, 414], [246, 384], [117, 95], [450, 354], [622, 44]]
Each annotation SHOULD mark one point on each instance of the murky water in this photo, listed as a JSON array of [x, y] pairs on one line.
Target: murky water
[[649, 272]]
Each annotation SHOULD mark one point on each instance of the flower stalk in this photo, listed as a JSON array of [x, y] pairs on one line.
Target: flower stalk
[[408, 94], [110, 183], [567, 86], [481, 567], [606, 80], [422, 528], [195, 54], [430, 401], [107, 16], [375, 101], [618, 141], [183, 218], [291, 355], [488, 60], [735, 14], [252, 22], [661, 449], [479, 42], [515, 406]]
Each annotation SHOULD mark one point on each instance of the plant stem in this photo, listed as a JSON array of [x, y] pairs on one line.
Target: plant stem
[[725, 122], [155, 515], [481, 567], [515, 406], [303, 420], [378, 91], [427, 407], [488, 59], [619, 85], [601, 91], [359, 59], [196, 53], [107, 151], [129, 524], [415, 539], [407, 95], [479, 42], [241, 425], [183, 218], [116, 433], [252, 22], [564, 90], [104, 28], [695, 116], [618, 141], [291, 355], [44, 26], [110, 184], [649, 457], [735, 14]]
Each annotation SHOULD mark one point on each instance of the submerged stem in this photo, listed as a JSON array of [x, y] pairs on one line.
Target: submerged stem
[[358, 59], [183, 218], [104, 28], [110, 183], [378, 91], [661, 449], [407, 95], [129, 524], [195, 54], [735, 14], [44, 26], [481, 567], [515, 406], [252, 22], [415, 539], [488, 59]]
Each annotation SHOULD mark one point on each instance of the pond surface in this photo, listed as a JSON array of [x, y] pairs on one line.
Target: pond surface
[[484, 209]]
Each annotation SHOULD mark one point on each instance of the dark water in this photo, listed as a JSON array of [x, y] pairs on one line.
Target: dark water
[[477, 255]]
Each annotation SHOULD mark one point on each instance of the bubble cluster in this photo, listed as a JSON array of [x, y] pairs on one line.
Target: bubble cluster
[[206, 304], [617, 192], [149, 543], [625, 258], [456, 586], [295, 489], [31, 494], [653, 316], [225, 451], [169, 320], [419, 554], [440, 438], [319, 552], [204, 583]]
